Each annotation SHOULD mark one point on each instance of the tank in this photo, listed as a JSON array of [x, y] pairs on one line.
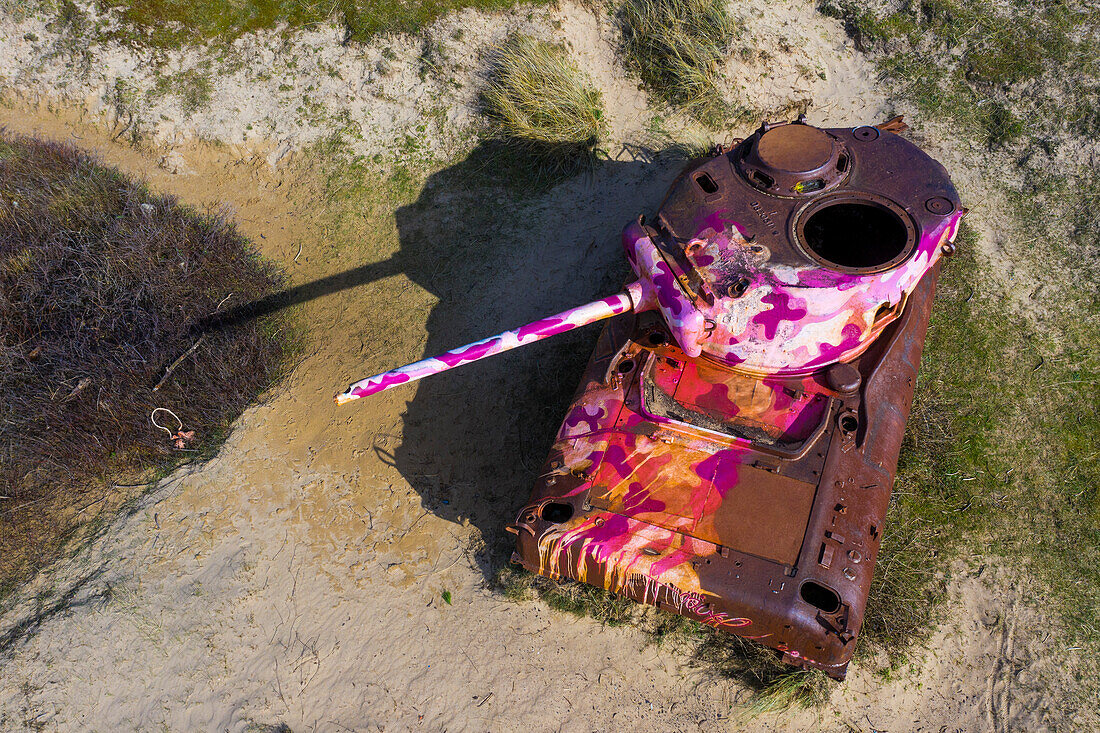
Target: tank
[[730, 452]]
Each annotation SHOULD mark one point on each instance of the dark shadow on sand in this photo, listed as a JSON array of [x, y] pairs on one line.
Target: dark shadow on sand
[[499, 247], [499, 252]]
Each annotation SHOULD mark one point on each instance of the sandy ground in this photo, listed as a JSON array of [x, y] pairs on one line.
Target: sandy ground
[[297, 578], [404, 92]]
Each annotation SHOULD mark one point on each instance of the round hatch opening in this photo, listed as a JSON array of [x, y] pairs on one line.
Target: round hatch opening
[[856, 233]]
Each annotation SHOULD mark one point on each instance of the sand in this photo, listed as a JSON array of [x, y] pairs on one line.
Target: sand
[[297, 578]]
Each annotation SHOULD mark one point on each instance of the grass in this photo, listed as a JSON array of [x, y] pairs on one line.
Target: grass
[[193, 88], [978, 63], [678, 47], [567, 596], [169, 24], [539, 103], [936, 502], [1015, 387], [101, 286]]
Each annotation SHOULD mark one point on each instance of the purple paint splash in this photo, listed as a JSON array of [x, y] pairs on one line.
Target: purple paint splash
[[780, 311]]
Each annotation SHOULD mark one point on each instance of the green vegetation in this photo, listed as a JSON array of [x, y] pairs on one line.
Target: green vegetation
[[103, 290], [1011, 389], [977, 63], [948, 445], [567, 596], [539, 103], [677, 48], [193, 88], [175, 23]]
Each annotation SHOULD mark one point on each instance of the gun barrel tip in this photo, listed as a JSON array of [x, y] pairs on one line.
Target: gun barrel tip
[[343, 398]]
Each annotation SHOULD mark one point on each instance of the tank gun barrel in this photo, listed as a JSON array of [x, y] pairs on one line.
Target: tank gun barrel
[[656, 288], [568, 320]]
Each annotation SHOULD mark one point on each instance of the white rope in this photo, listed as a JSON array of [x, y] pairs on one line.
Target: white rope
[[153, 419]]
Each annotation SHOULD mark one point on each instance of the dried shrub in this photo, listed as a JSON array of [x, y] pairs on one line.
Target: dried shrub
[[102, 284]]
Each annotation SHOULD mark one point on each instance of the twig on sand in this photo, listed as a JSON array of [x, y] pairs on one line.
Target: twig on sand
[[415, 522], [172, 367], [471, 661]]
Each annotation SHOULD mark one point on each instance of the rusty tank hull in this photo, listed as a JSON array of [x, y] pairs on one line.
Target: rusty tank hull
[[745, 485]]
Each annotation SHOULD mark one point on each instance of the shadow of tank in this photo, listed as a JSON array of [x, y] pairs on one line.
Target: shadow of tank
[[498, 253]]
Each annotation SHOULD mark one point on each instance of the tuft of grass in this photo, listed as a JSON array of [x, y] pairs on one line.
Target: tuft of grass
[[192, 87], [102, 284], [567, 596], [539, 103], [678, 47], [802, 687], [774, 685]]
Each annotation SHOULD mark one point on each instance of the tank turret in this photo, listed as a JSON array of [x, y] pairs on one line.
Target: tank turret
[[796, 248]]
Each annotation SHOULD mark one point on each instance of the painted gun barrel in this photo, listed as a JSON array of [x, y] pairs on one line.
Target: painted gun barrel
[[582, 315]]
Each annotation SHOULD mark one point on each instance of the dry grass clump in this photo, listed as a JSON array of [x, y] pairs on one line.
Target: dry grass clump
[[678, 48], [538, 102], [101, 287]]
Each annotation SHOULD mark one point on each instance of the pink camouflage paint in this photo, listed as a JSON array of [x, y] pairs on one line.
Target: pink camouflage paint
[[522, 336], [790, 320]]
